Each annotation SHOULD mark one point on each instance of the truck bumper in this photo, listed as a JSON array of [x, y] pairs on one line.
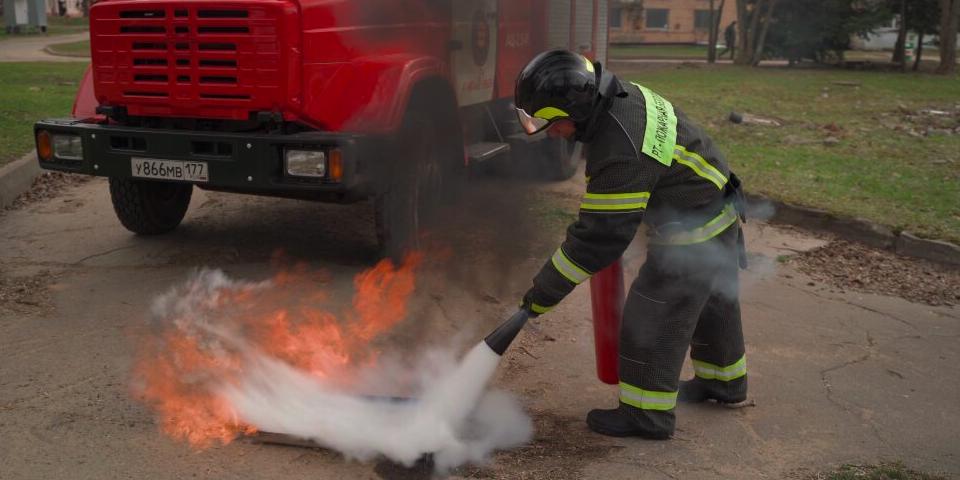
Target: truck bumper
[[236, 162]]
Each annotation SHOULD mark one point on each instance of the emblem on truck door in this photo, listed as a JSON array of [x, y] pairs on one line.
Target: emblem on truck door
[[475, 65], [480, 38]]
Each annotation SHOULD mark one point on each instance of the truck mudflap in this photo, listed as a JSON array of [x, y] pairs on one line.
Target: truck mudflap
[[238, 162]]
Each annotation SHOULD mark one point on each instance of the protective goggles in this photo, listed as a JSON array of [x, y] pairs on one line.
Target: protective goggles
[[540, 120]]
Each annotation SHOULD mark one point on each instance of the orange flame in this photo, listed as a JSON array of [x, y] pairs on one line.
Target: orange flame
[[177, 371]]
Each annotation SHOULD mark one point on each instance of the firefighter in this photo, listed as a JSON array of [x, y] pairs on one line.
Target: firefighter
[[646, 163]]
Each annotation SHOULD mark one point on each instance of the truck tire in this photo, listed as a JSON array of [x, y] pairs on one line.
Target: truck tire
[[403, 207], [148, 207], [560, 158], [550, 159], [422, 176]]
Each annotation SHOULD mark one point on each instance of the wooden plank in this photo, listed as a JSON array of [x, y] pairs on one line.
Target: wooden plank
[[282, 439]]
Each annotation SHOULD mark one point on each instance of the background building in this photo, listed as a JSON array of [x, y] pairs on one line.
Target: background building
[[885, 38], [20, 15], [666, 21], [71, 8]]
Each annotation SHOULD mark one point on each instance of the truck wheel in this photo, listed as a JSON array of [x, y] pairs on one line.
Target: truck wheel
[[561, 158], [552, 159], [416, 184], [147, 207]]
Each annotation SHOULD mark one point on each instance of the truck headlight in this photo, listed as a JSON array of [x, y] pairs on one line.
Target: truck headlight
[[67, 147], [305, 163]]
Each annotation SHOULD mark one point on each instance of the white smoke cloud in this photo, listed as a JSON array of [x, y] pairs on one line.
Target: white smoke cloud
[[452, 417], [447, 410], [761, 209]]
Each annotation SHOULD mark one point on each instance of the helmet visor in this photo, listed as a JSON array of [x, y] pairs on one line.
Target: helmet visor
[[530, 123]]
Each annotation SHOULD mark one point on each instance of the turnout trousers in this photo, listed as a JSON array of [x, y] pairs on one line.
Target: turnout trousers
[[684, 296]]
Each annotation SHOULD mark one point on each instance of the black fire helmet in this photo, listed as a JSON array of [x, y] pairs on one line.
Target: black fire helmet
[[560, 84]]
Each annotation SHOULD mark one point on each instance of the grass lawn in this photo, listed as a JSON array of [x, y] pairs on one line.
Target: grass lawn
[[930, 59], [32, 91], [55, 26], [875, 171], [931, 55], [885, 471], [659, 51], [71, 49]]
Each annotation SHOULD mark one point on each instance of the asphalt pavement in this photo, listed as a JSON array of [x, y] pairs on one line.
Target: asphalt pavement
[[30, 48], [837, 377]]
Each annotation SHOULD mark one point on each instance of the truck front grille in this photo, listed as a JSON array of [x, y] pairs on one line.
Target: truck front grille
[[206, 59]]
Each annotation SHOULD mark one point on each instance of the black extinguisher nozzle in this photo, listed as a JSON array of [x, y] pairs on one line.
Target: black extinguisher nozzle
[[503, 336]]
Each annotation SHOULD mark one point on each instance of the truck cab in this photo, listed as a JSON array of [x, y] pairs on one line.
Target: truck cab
[[336, 101]]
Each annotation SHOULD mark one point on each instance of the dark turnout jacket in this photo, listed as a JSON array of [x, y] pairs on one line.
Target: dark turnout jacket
[[648, 162]]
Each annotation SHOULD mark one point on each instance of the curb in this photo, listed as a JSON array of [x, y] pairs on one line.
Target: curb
[[854, 229], [50, 51], [17, 177]]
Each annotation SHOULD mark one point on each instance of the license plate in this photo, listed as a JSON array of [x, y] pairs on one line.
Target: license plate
[[169, 169]]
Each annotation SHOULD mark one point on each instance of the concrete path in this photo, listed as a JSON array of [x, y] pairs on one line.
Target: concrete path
[[837, 377], [30, 48], [644, 61]]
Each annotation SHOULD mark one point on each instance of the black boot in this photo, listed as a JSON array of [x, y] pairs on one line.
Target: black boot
[[699, 390], [622, 422]]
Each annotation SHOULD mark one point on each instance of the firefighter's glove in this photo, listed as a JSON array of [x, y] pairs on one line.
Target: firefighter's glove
[[532, 308]]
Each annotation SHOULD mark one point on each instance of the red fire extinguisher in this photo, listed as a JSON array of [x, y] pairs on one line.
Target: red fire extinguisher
[[606, 297]]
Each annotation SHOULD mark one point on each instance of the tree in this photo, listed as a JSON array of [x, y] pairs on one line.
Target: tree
[[761, 39], [715, 16], [753, 23], [923, 17], [949, 17], [821, 30], [899, 50], [919, 16]]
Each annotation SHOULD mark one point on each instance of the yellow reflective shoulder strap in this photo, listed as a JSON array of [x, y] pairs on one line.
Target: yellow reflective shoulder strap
[[700, 166]]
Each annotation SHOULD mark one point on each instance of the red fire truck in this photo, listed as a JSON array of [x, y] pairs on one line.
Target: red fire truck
[[335, 101]]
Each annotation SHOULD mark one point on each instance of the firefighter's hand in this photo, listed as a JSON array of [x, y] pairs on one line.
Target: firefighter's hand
[[528, 305]]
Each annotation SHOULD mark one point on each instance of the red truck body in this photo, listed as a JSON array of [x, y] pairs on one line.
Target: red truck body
[[326, 100], [334, 65], [310, 99]]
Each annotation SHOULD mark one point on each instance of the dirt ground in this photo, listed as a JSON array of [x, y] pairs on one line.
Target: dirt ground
[[838, 375], [854, 266]]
